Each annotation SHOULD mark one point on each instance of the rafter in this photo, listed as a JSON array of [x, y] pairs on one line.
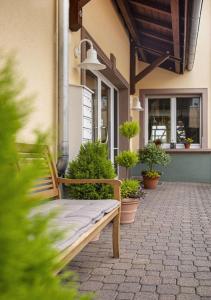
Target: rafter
[[75, 15], [151, 5], [159, 25], [156, 36], [175, 29], [129, 21], [156, 63]]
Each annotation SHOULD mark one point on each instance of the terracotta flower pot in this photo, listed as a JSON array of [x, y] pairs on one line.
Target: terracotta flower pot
[[150, 183], [187, 146], [128, 210]]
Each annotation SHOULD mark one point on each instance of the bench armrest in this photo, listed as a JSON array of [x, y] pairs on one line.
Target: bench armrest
[[113, 182]]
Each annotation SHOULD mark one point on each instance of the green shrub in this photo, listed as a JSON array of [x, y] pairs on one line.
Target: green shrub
[[91, 162], [152, 155], [27, 256], [129, 129], [127, 159], [151, 174], [130, 188]]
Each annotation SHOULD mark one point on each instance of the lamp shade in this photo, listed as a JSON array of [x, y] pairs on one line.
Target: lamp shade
[[136, 104], [91, 62]]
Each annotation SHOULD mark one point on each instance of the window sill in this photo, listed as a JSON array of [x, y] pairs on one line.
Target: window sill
[[193, 150]]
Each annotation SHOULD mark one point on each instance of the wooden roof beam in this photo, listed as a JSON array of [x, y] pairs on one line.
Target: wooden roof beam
[[156, 52], [158, 61], [129, 21], [159, 25], [75, 14], [151, 5], [155, 36], [175, 29]]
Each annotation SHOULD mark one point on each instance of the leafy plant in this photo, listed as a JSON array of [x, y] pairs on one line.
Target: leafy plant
[[151, 155], [151, 174], [130, 188], [91, 162], [127, 159], [27, 257], [188, 141], [129, 129]]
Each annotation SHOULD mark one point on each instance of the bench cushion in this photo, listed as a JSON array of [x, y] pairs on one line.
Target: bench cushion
[[74, 217]]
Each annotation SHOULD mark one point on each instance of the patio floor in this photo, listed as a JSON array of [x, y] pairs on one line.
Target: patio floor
[[165, 254]]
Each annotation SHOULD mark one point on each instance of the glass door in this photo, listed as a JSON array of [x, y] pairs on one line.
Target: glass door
[[105, 111]]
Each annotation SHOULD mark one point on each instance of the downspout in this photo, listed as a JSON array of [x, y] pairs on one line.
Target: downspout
[[63, 79], [194, 22]]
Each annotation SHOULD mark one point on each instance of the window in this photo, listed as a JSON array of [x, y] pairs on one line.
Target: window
[[172, 119]]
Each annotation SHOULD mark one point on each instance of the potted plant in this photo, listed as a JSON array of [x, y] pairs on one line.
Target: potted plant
[[131, 193], [188, 142], [151, 155], [130, 189], [158, 142]]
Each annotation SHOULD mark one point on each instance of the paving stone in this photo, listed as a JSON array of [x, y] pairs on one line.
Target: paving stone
[[154, 267], [187, 290], [150, 280], [132, 279], [204, 291], [168, 289], [203, 275], [110, 286], [101, 271], [170, 274], [129, 287], [106, 295], [187, 268], [167, 297], [188, 297], [148, 288], [191, 282], [91, 286], [135, 272], [146, 296], [125, 296], [114, 279], [169, 280]]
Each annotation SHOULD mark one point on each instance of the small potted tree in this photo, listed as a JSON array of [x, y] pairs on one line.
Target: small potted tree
[[131, 193], [130, 188], [151, 155], [158, 142], [188, 142]]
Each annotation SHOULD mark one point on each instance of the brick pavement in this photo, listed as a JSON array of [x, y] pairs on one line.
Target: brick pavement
[[165, 254]]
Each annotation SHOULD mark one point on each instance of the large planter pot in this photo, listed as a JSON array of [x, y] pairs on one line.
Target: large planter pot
[[187, 146], [150, 183], [128, 210]]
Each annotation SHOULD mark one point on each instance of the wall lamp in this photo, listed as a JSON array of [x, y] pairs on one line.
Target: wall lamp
[[91, 62], [136, 104]]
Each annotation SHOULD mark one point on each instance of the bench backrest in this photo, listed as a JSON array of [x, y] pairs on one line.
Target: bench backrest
[[46, 186]]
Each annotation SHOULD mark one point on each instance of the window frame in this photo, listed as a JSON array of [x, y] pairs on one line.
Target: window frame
[[173, 113], [180, 92]]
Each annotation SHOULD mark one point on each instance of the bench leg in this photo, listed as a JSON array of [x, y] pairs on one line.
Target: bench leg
[[116, 235]]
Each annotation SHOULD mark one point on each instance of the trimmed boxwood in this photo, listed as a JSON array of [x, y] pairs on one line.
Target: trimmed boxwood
[[91, 162]]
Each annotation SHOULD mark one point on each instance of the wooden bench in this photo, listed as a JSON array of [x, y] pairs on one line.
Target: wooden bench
[[47, 187]]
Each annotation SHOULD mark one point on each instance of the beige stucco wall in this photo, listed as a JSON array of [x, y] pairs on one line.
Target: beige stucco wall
[[28, 28], [103, 24], [199, 77]]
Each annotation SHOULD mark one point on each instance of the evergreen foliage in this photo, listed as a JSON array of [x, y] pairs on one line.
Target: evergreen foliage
[[129, 129], [127, 159], [152, 155], [91, 162], [130, 188], [27, 256]]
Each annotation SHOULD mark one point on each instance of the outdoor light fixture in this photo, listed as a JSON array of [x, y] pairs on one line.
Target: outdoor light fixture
[[137, 105], [91, 62]]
